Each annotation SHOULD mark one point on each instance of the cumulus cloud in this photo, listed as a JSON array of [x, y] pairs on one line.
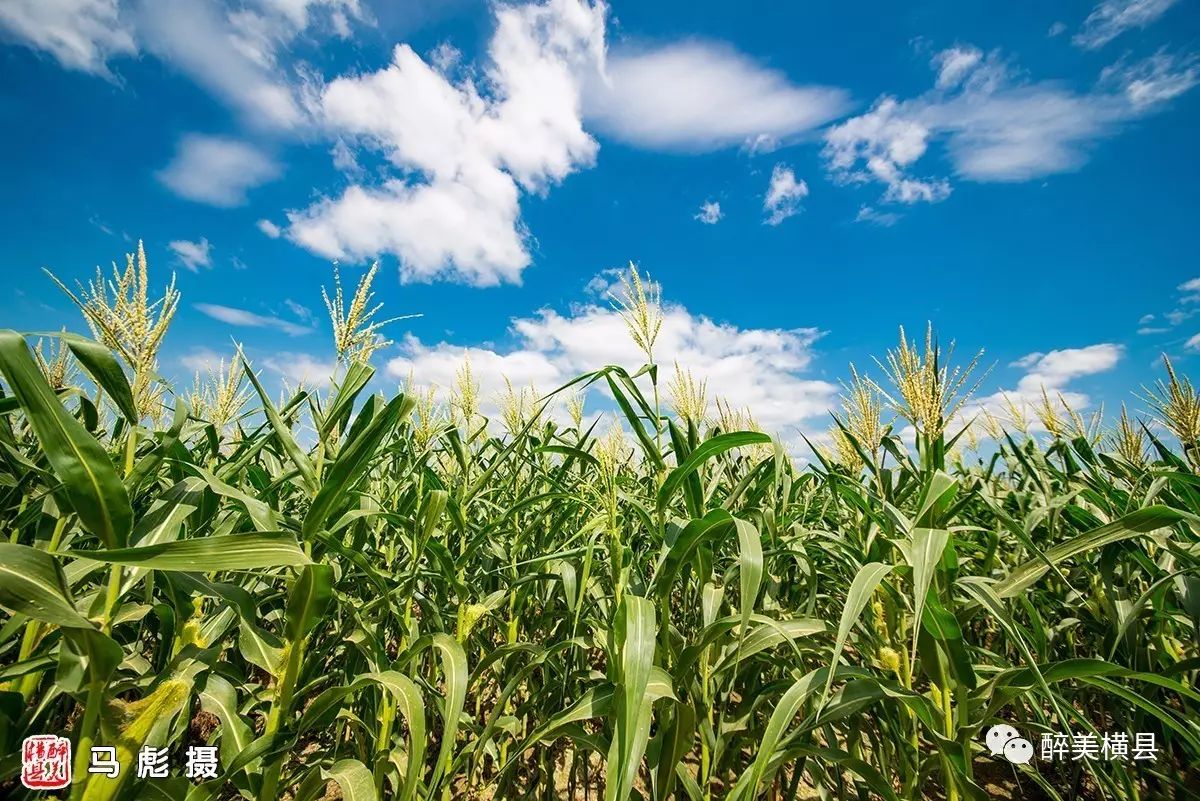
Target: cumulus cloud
[[217, 170], [80, 34], [784, 195], [995, 125], [1110, 18], [1054, 370], [464, 152], [193, 255], [699, 95], [1051, 373], [242, 317], [762, 369], [710, 212]]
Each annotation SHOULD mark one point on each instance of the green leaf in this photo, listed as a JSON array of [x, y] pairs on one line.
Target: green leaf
[[219, 698], [354, 779], [310, 596], [352, 462], [282, 432], [208, 554], [104, 369], [90, 482], [32, 583], [454, 670], [634, 636], [357, 376], [1134, 524], [925, 554], [861, 590], [708, 449]]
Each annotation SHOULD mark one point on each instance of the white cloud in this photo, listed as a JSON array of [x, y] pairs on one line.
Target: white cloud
[[710, 213], [80, 34], [996, 125], [193, 255], [217, 170], [239, 55], [699, 95], [302, 368], [299, 311], [1051, 373], [955, 64], [466, 150], [1110, 18], [784, 195], [604, 283], [887, 139], [1057, 368], [1188, 306], [762, 369], [870, 214], [344, 159], [242, 317], [269, 228], [203, 360], [1156, 79]]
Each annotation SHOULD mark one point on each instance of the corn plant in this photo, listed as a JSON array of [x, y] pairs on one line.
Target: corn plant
[[357, 596]]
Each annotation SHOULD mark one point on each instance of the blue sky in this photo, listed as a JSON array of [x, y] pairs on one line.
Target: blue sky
[[800, 178]]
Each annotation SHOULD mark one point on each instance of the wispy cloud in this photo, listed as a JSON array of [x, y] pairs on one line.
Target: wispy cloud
[[193, 255], [996, 125], [302, 368], [870, 214], [81, 34], [217, 170], [1110, 18], [700, 95], [236, 52], [1187, 306], [242, 317], [784, 195]]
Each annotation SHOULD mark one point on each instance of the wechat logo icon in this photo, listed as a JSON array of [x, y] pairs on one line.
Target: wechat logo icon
[[1004, 740]]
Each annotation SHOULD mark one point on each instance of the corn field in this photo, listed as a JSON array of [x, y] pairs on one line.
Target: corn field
[[359, 596]]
